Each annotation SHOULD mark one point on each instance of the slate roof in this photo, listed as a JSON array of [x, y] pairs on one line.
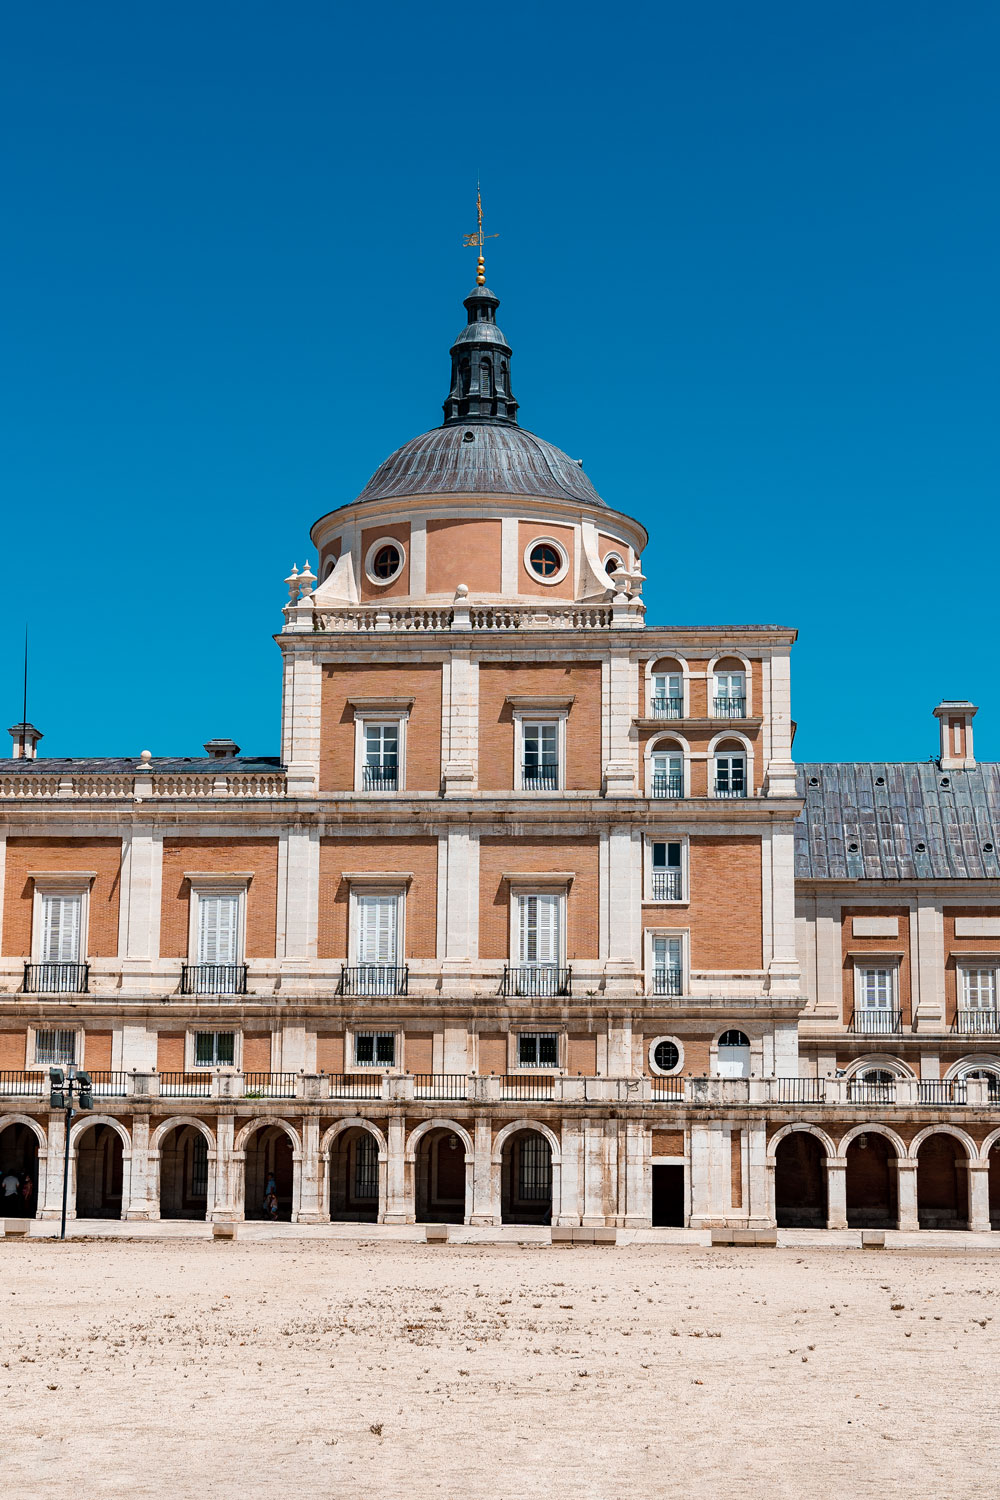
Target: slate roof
[[904, 820], [123, 765]]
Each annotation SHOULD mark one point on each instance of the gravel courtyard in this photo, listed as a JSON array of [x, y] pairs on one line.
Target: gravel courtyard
[[192, 1369]]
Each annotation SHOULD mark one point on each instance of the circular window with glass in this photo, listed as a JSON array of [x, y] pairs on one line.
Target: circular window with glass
[[546, 560], [665, 1055], [384, 561]]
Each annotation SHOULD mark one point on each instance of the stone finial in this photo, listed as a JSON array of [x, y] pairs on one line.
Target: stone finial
[[462, 592], [306, 582], [25, 737], [292, 582], [955, 716], [145, 759]]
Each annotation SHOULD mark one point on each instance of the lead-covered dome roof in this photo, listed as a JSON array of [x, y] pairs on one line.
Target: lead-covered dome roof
[[480, 458]]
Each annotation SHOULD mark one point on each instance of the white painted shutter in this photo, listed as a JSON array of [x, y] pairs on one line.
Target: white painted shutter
[[540, 929], [377, 929], [61, 928], [218, 926]]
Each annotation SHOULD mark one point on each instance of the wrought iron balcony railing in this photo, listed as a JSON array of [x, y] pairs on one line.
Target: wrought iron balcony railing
[[667, 981], [863, 1091], [876, 1022], [213, 979], [537, 980], [56, 979], [977, 1022], [666, 885], [666, 708], [380, 778], [667, 784], [729, 707], [540, 778], [374, 979], [727, 788], [942, 1091]]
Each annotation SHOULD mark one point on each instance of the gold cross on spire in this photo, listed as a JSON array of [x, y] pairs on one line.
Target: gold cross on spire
[[478, 238]]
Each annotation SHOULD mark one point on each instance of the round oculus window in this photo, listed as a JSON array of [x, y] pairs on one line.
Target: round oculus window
[[545, 560], [387, 561], [666, 1056]]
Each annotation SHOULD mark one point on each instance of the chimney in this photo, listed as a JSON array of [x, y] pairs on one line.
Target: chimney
[[221, 749], [955, 716], [25, 737]]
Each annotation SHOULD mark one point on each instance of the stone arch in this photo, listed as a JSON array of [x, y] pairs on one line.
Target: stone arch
[[175, 1189], [798, 1188], [504, 1135], [434, 1183], [23, 1161], [341, 1177], [942, 1154], [174, 1123], [894, 1065], [885, 1130], [871, 1177], [526, 1173], [254, 1125], [250, 1171], [93, 1184], [990, 1152], [992, 1142]]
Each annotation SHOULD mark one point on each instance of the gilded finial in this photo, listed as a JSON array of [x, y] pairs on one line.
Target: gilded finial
[[478, 238]]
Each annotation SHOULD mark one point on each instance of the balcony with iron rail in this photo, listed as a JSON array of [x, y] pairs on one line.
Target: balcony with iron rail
[[374, 980], [213, 979], [875, 1022], [666, 784], [727, 788], [730, 707], [666, 885], [666, 708], [668, 981], [380, 778], [537, 981], [976, 1022], [56, 978], [540, 778]]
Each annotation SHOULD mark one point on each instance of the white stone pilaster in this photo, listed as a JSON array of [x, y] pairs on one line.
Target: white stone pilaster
[[571, 1207], [907, 1193], [510, 558], [399, 1206], [927, 962], [311, 1209], [298, 894], [620, 935], [460, 724], [620, 692], [458, 907], [836, 1192], [143, 1178], [485, 1176], [783, 965], [418, 558], [979, 1193], [301, 700], [228, 1202]]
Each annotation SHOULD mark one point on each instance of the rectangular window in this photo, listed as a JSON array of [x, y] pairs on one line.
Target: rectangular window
[[730, 695], [875, 989], [61, 926], [979, 989], [540, 936], [730, 775], [538, 1049], [378, 920], [667, 872], [218, 927], [667, 968], [381, 764], [214, 1049], [540, 768], [375, 1049], [55, 1049]]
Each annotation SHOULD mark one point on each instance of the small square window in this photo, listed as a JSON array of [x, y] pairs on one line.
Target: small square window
[[214, 1049], [375, 1049], [538, 1049], [55, 1049]]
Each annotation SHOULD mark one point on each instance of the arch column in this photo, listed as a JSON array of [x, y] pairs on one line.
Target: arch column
[[228, 1173], [399, 1206], [567, 1215], [143, 1185], [485, 1203], [979, 1194], [311, 1210], [836, 1192], [906, 1178], [50, 1196]]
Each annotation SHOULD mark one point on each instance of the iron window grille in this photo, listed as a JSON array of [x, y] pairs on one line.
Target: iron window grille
[[375, 1049], [667, 784], [214, 1049], [666, 708], [538, 1049]]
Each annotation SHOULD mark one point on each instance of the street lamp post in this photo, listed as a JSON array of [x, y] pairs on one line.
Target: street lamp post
[[66, 1086]]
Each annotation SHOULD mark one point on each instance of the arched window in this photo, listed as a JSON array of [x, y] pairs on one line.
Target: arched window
[[730, 779], [666, 770], [991, 1077], [464, 378], [729, 689], [666, 690], [505, 376], [485, 378], [872, 1086], [734, 1054]]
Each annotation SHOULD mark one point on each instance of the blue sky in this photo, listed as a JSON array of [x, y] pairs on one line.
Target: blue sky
[[747, 265]]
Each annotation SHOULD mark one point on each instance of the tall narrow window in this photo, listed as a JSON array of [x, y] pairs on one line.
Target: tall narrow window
[[667, 872], [876, 989], [61, 925], [979, 989], [218, 927], [540, 935], [381, 767], [666, 965], [377, 931], [540, 770], [730, 775], [366, 1166], [730, 695], [485, 378], [667, 700], [667, 769]]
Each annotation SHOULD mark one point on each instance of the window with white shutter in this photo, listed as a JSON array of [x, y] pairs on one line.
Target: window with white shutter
[[218, 927], [377, 930], [540, 938], [61, 926]]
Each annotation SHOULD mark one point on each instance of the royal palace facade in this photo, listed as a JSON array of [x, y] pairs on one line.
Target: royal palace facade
[[534, 919]]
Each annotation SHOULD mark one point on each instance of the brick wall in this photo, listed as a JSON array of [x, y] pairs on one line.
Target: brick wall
[[13, 1049], [101, 855], [529, 531], [418, 1053], [579, 680], [493, 1052], [420, 681], [417, 855], [170, 1052], [371, 593], [220, 856], [257, 1052], [463, 552], [856, 947], [668, 1143], [581, 1054], [330, 1052], [97, 1049], [578, 854], [725, 910], [697, 1050]]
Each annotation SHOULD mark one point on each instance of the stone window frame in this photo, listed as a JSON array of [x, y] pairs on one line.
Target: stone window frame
[[64, 883], [31, 1063], [649, 839], [377, 883], [351, 1065], [546, 541], [380, 711], [384, 541], [654, 1068], [648, 935], [532, 1070], [203, 883], [190, 1063]]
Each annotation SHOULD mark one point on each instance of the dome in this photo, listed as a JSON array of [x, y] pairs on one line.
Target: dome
[[480, 458]]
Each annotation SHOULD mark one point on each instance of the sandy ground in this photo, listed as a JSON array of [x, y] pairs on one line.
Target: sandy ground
[[176, 1369]]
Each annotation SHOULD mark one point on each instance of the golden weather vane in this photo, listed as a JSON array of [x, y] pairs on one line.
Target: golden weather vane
[[478, 238]]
